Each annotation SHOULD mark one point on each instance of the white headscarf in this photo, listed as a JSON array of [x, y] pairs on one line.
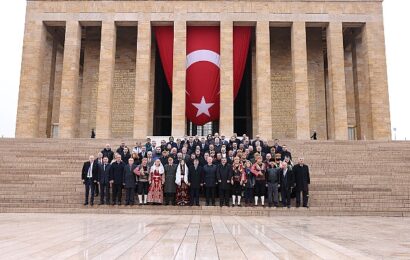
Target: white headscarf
[[160, 167], [178, 175]]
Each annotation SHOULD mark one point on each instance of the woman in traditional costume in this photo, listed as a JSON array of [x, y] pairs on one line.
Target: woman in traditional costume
[[182, 196], [156, 180]]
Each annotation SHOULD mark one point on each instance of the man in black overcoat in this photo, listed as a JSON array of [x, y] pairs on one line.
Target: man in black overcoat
[[117, 179], [195, 178], [107, 152], [286, 183], [224, 176], [302, 180], [210, 181], [129, 181]]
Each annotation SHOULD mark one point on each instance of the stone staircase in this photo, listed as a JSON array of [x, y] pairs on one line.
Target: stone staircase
[[347, 178]]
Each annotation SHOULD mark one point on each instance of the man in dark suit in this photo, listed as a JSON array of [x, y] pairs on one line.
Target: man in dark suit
[[107, 152], [179, 145], [302, 180], [224, 176], [278, 148], [117, 179], [89, 177], [129, 182], [204, 146], [98, 161], [195, 178], [143, 153], [286, 183], [223, 141], [171, 142], [285, 153], [210, 181], [104, 180]]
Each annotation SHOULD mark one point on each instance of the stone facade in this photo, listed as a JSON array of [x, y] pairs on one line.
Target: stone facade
[[316, 65]]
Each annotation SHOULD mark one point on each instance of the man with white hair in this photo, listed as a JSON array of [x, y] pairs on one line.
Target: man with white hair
[[302, 180], [286, 182], [89, 178]]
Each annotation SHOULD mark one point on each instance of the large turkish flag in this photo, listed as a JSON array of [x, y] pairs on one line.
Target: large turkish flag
[[202, 74], [202, 66]]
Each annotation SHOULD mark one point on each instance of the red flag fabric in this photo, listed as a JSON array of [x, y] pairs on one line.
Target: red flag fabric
[[202, 67], [165, 43], [241, 39], [202, 74]]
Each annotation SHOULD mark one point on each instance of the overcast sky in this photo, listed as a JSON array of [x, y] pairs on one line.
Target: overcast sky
[[397, 31]]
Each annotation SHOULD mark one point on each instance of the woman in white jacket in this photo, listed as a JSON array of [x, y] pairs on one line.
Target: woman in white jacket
[[182, 195]]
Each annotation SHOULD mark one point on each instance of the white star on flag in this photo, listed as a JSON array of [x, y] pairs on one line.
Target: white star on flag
[[203, 107]]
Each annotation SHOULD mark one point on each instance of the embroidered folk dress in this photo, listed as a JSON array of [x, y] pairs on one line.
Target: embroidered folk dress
[[155, 193], [182, 195]]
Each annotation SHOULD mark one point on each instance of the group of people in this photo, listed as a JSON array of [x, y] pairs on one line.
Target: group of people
[[178, 172]]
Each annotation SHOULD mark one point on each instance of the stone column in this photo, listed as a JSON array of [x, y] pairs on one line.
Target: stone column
[[178, 79], [27, 124], [374, 44], [142, 81], [69, 109], [299, 67], [263, 82], [106, 79], [337, 83], [46, 102], [226, 119]]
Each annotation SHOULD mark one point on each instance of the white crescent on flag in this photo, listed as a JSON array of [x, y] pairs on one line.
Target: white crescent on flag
[[203, 55]]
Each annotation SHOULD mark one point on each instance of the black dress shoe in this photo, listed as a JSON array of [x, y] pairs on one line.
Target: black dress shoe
[[86, 203], [197, 205]]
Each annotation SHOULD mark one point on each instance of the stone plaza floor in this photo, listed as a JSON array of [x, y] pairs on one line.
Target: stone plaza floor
[[123, 236]]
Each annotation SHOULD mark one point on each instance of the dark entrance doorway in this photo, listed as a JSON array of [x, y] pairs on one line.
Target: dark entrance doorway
[[162, 100], [243, 101]]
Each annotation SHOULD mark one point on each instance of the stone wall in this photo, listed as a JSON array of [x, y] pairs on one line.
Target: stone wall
[[124, 83], [90, 80], [316, 81], [283, 91]]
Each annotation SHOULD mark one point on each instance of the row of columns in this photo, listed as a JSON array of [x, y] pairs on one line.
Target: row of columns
[[34, 41]]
